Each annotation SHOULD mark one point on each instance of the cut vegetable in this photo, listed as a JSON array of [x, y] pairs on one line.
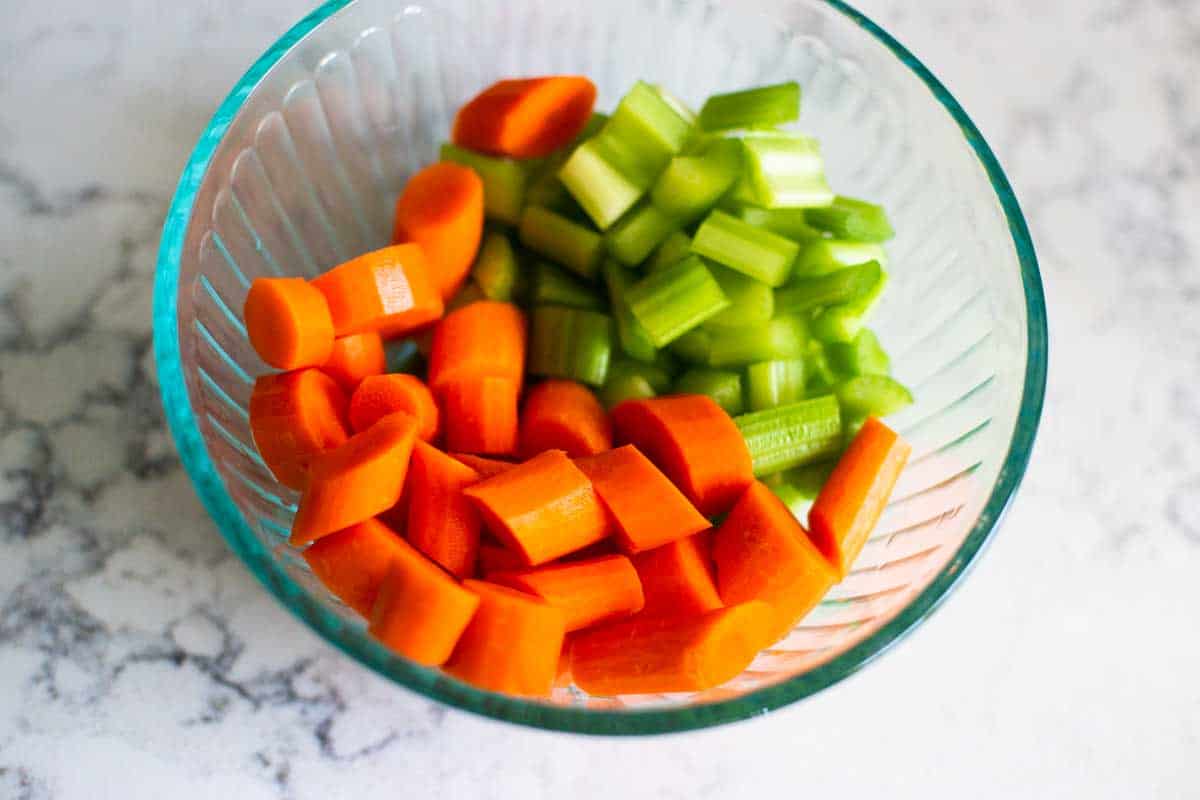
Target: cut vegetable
[[485, 339], [554, 287], [722, 385], [353, 563], [635, 342], [762, 255], [587, 592], [643, 133], [632, 380], [826, 255], [354, 358], [749, 108], [789, 436], [637, 233], [863, 356], [789, 222], [495, 558], [675, 248], [389, 291], [480, 415], [692, 184], [294, 418], [497, 271], [288, 323], [856, 220], [442, 523], [525, 118], [694, 347], [783, 170], [441, 209], [847, 285], [563, 415], [380, 395], [598, 184], [504, 181], [570, 343], [872, 395], [781, 338], [774, 383], [842, 322], [672, 301], [751, 302], [677, 578], [552, 235], [486, 467]]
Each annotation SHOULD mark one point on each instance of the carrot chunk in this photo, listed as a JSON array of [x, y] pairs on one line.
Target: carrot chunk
[[481, 415], [486, 467], [354, 358], [564, 415], [484, 339], [353, 562], [497, 558], [294, 417], [380, 395], [677, 578], [442, 523], [441, 209], [543, 508], [388, 291], [525, 118], [587, 592], [288, 323]]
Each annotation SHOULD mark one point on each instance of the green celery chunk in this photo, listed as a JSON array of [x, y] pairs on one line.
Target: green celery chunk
[[789, 222], [694, 347], [674, 249], [783, 170], [676, 299], [598, 184], [751, 302], [819, 377], [723, 386], [791, 497], [850, 428], [637, 233], [778, 339], [792, 435], [774, 383], [559, 239], [403, 355], [741, 246], [763, 105], [810, 478], [863, 356], [855, 220], [826, 255], [845, 285], [681, 108], [692, 184], [504, 181], [631, 380], [570, 343], [649, 123], [469, 293], [872, 396], [632, 336], [842, 322], [554, 287], [593, 126], [497, 271]]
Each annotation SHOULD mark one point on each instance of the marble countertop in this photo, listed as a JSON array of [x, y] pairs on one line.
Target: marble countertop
[[138, 658]]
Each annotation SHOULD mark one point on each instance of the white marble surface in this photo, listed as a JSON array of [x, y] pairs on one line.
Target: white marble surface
[[139, 659]]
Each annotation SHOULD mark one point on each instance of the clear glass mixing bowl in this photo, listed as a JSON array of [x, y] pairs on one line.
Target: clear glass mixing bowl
[[300, 166]]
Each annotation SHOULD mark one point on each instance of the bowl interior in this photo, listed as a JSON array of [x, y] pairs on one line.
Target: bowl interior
[[299, 170]]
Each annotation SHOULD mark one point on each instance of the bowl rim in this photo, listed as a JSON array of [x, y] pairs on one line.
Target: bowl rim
[[209, 486]]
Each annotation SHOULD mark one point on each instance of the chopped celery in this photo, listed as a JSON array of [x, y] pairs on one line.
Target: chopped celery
[[845, 285], [560, 239], [789, 222], [810, 478], [774, 383], [675, 248], [751, 302], [598, 184], [842, 322], [554, 287], [739, 245], [692, 184], [637, 233], [672, 301], [694, 346], [496, 270], [826, 255], [469, 293], [570, 343], [850, 427], [762, 105], [863, 356], [632, 336], [872, 395], [777, 339], [504, 181], [723, 386], [791, 497], [856, 220], [681, 108], [645, 120], [590, 128], [819, 377], [403, 355], [783, 170], [789, 436], [630, 380]]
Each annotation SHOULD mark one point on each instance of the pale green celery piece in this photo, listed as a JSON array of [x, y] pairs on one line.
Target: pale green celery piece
[[856, 220], [809, 479], [723, 386], [751, 302], [681, 108], [777, 339], [496, 270], [590, 128], [692, 184], [783, 170], [789, 222], [845, 285], [826, 255], [566, 242], [774, 383], [637, 233], [600, 188], [851, 425], [863, 356], [635, 342], [555, 287], [694, 347], [674, 249], [676, 299], [645, 117], [760, 106], [570, 343], [841, 323], [872, 396], [741, 246], [504, 181], [819, 377], [629, 380], [789, 436]]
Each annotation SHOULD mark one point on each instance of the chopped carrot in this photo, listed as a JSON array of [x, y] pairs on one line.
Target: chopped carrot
[[421, 612], [677, 578], [288, 323], [762, 553], [564, 415], [849, 504], [388, 291], [486, 467], [442, 523], [380, 395], [354, 358], [441, 209], [511, 645], [669, 654], [525, 118], [649, 511], [360, 479], [498, 558], [481, 415], [294, 417], [543, 508], [484, 339], [353, 562], [694, 442], [604, 547], [587, 592]]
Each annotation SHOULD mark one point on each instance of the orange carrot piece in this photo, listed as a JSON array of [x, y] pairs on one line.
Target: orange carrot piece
[[855, 494], [604, 547], [481, 415], [421, 612], [288, 323], [353, 562], [294, 417], [677, 578], [648, 509], [486, 467], [362, 478], [525, 118], [669, 654], [484, 339], [587, 592], [441, 209], [497, 558], [694, 442], [762, 553], [564, 415], [389, 291], [442, 523], [543, 508], [511, 645], [354, 358], [380, 395]]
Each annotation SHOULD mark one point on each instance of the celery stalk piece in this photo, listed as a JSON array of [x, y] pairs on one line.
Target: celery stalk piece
[[674, 300], [598, 184], [791, 497], [722, 385], [841, 286], [774, 383], [800, 486], [559, 239], [777, 339], [595, 122], [504, 181], [645, 121], [629, 380], [762, 105], [555, 287], [630, 333], [783, 170], [842, 322], [872, 395], [819, 377], [496, 270], [693, 347], [570, 343], [863, 356], [826, 255], [751, 302], [856, 220], [789, 222], [792, 435], [637, 233], [741, 246], [674, 249], [692, 184], [681, 108]]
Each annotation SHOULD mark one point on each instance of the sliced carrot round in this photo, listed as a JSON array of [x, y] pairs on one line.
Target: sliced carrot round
[[441, 209], [354, 358], [389, 291], [564, 415], [288, 323], [294, 417], [380, 395], [484, 339], [525, 117]]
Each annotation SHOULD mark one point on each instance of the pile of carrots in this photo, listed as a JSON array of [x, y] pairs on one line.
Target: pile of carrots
[[515, 533]]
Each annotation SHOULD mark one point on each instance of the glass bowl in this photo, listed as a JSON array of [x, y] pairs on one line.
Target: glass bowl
[[299, 168]]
